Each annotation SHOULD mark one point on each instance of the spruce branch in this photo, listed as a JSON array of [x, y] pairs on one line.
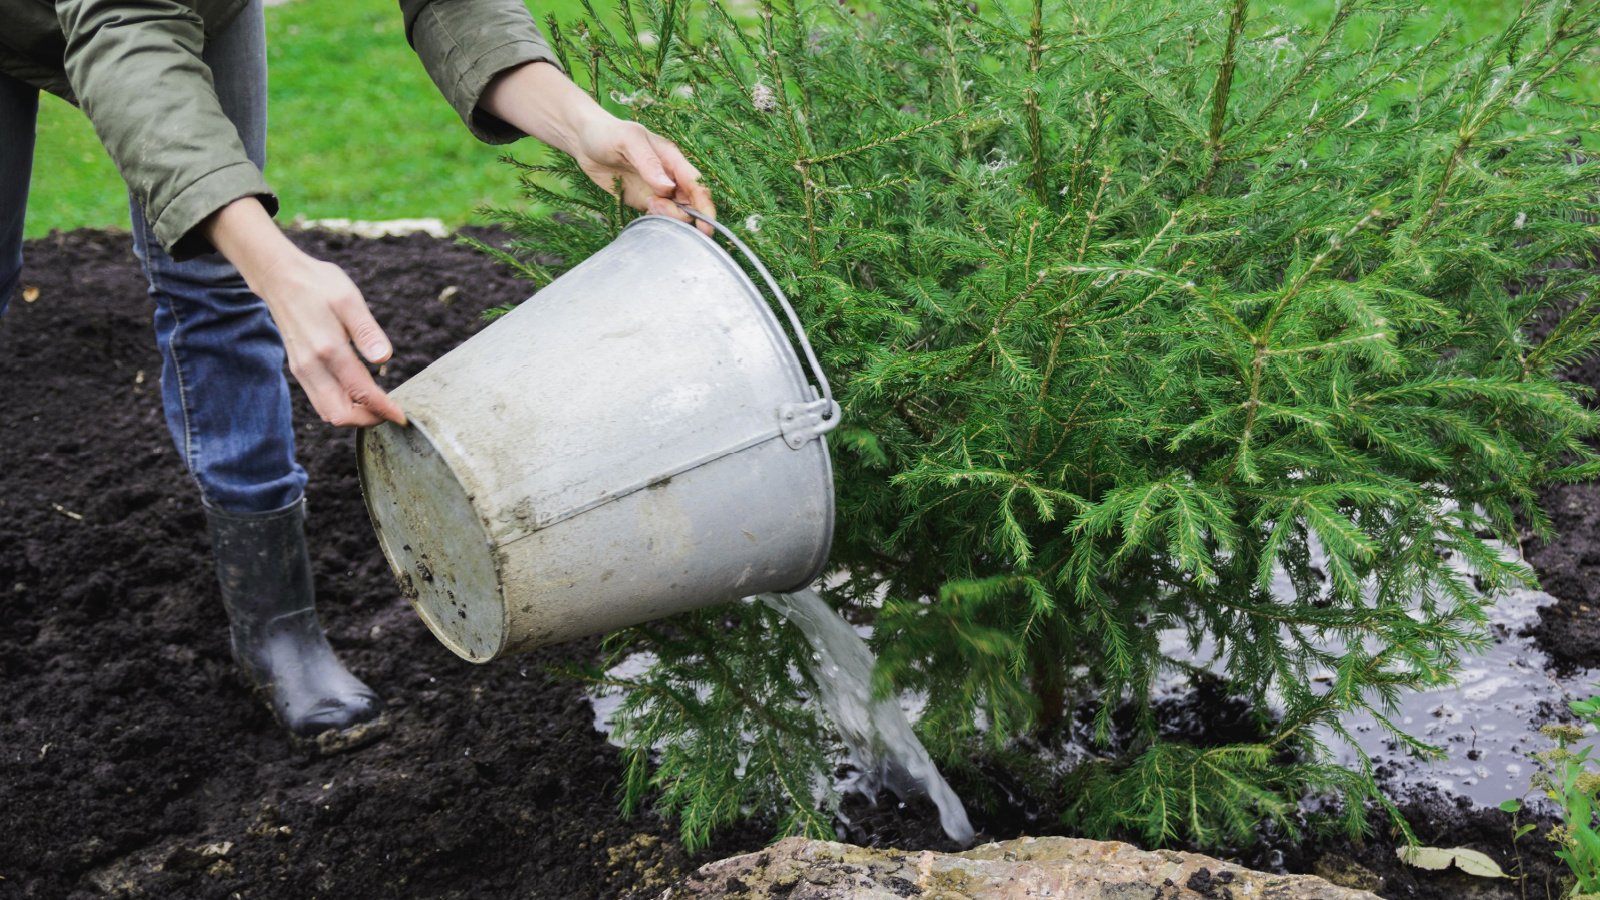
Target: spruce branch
[[1222, 91], [1145, 322]]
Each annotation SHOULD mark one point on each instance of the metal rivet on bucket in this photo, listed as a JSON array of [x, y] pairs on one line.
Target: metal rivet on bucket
[[636, 440]]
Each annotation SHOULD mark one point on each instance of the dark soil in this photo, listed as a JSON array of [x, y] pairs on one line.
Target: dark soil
[[1569, 630], [133, 760], [1437, 821], [127, 742]]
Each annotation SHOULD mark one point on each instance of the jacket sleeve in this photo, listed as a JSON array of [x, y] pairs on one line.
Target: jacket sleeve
[[135, 67], [465, 43]]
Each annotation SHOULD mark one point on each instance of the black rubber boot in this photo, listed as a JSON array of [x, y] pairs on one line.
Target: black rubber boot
[[264, 570]]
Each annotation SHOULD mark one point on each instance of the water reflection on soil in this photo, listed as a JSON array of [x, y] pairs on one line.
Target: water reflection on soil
[[1487, 722]]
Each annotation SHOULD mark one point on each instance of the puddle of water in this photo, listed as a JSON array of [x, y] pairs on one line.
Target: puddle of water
[[1484, 722], [606, 703]]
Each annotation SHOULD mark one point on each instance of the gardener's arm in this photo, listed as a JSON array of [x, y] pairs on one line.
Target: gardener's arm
[[493, 66], [137, 71], [318, 310], [539, 99]]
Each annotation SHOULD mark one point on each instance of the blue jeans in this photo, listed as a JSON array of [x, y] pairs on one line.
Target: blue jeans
[[222, 383]]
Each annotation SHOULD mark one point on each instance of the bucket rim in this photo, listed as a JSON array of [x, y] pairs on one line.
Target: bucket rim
[[796, 368]]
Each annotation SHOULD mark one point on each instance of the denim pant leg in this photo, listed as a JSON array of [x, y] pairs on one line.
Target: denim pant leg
[[19, 110], [222, 372]]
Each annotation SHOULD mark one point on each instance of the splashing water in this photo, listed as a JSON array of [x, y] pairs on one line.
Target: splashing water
[[877, 731]]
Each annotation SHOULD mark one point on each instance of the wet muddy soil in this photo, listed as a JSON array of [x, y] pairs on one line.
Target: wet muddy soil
[[133, 761], [1569, 566]]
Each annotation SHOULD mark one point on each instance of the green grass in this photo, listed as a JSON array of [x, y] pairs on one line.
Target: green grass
[[359, 131]]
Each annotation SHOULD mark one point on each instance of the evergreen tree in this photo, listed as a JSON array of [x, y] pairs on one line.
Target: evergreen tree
[[1130, 305]]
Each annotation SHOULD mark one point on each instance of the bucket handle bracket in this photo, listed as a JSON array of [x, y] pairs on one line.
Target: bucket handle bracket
[[801, 422]]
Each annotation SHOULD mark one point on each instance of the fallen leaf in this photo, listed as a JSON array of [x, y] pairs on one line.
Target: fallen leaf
[[1474, 863], [1433, 858], [1425, 857], [30, 294]]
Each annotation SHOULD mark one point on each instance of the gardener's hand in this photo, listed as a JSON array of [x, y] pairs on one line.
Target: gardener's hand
[[318, 310], [654, 176]]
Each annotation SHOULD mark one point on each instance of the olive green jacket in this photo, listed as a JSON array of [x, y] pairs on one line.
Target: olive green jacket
[[134, 66]]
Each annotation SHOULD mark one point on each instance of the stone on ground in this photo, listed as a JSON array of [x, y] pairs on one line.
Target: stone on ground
[[1053, 867]]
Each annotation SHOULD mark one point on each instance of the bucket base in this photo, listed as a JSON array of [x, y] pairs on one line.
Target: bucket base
[[425, 517]]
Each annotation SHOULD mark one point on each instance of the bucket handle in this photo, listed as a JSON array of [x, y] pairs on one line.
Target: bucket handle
[[831, 410]]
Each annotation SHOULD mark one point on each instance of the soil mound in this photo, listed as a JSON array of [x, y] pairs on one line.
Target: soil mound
[[134, 761], [132, 755]]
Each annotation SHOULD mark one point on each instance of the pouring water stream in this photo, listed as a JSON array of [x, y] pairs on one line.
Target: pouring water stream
[[877, 734], [877, 731]]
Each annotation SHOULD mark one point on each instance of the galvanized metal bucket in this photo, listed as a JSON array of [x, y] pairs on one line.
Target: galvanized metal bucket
[[636, 440]]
